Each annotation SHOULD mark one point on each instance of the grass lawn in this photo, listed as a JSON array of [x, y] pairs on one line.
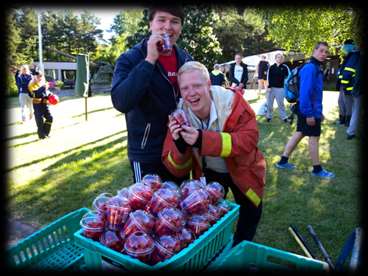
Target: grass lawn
[[47, 188]]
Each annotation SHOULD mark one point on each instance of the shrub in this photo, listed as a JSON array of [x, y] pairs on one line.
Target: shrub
[[12, 89], [59, 84]]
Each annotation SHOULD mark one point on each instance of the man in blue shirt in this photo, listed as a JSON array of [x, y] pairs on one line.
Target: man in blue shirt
[[309, 113]]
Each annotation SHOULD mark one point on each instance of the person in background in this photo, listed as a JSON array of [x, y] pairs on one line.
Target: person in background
[[38, 87], [262, 69], [22, 79], [216, 76], [144, 87], [347, 77], [238, 73], [220, 144], [276, 75], [309, 113]]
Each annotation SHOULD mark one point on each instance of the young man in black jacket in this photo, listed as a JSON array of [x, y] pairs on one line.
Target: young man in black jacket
[[144, 87], [276, 76], [238, 73]]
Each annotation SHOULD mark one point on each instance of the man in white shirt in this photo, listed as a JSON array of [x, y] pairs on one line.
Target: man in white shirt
[[238, 73]]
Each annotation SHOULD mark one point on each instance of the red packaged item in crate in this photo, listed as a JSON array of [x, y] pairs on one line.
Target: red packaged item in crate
[[216, 191], [189, 186], [196, 203], [223, 207], [138, 221], [214, 214], [186, 237], [153, 181], [139, 245], [117, 211], [139, 195], [198, 224], [180, 117], [99, 203], [170, 185], [93, 225], [165, 247], [112, 240], [169, 222], [163, 198]]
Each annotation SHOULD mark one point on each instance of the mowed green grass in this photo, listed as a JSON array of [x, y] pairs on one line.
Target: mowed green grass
[[73, 179]]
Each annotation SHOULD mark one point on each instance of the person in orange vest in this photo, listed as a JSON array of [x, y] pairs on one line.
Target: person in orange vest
[[220, 144]]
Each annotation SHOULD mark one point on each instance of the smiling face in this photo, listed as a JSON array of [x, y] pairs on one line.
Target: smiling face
[[164, 22], [195, 91]]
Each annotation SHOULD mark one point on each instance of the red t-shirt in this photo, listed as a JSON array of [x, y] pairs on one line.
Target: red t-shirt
[[169, 63]]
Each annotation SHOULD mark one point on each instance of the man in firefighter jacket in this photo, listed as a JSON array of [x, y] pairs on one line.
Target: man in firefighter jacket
[[39, 91], [220, 144], [346, 79]]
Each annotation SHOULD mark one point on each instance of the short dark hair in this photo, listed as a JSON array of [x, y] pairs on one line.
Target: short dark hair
[[348, 41], [324, 43], [174, 10]]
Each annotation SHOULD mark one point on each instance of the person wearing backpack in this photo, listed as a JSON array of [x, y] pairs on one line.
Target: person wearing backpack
[[309, 112], [275, 78]]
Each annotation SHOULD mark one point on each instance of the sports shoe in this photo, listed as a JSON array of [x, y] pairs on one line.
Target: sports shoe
[[286, 165], [324, 174], [349, 137]]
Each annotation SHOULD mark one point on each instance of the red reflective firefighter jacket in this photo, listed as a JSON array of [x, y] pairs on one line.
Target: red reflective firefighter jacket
[[237, 144]]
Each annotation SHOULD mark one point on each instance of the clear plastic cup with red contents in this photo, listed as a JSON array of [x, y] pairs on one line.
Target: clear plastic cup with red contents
[[196, 203], [153, 181], [99, 203], [138, 221], [93, 225], [139, 195], [163, 198], [186, 237], [198, 224], [223, 206], [216, 191], [139, 245], [180, 117], [117, 212], [170, 185], [165, 247], [169, 222], [189, 186], [112, 240]]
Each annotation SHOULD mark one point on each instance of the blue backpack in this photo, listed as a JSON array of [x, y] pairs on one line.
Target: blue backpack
[[291, 85]]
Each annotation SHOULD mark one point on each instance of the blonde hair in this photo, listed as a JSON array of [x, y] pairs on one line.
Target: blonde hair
[[192, 66], [26, 68]]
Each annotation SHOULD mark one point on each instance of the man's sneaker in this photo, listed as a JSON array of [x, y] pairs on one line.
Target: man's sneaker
[[324, 174], [349, 137], [286, 165]]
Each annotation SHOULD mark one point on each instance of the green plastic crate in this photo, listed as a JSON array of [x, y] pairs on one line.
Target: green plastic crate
[[50, 248], [195, 257], [251, 256]]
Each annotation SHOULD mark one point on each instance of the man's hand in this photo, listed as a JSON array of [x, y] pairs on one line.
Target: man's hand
[[152, 50], [174, 128], [310, 121], [189, 134]]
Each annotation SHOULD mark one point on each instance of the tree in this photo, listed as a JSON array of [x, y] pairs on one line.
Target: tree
[[240, 30], [300, 28], [198, 35]]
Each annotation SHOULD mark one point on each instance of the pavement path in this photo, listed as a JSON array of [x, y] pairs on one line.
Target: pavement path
[[71, 130]]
